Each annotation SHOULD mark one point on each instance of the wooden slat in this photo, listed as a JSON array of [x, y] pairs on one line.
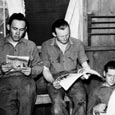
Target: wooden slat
[[99, 48], [45, 99], [93, 48]]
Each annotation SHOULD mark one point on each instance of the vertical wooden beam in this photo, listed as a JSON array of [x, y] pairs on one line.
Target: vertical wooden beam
[[4, 18], [85, 35]]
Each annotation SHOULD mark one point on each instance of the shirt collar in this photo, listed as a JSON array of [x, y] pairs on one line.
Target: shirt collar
[[21, 41], [53, 42]]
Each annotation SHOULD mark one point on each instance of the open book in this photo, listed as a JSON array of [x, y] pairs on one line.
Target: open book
[[18, 62], [68, 80]]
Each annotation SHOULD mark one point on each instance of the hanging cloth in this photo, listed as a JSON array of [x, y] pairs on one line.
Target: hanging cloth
[[16, 6], [74, 16]]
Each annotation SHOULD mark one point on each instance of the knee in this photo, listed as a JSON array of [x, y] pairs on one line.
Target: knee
[[30, 86], [58, 107], [79, 101]]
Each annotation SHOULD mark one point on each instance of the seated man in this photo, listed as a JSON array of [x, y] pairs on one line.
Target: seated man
[[60, 55], [17, 87], [98, 101]]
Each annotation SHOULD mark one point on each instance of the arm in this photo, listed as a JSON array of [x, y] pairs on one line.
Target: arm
[[46, 62], [83, 60], [35, 66], [82, 57], [47, 75], [85, 65], [46, 71]]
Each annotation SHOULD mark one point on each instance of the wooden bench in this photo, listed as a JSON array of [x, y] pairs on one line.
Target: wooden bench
[[45, 99]]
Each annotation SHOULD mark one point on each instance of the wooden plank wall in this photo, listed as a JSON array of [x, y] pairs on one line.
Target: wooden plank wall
[[102, 8], [99, 56]]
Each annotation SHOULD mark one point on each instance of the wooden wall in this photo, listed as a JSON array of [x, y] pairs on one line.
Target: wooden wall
[[102, 8]]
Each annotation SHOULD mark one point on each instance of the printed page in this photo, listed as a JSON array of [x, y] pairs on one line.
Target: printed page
[[18, 62], [66, 82]]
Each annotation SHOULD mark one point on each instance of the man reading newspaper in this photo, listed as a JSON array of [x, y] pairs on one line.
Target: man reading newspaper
[[17, 87], [60, 54], [18, 63], [99, 98]]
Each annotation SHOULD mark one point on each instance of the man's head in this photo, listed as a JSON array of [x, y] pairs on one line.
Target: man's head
[[17, 26], [61, 30], [109, 73]]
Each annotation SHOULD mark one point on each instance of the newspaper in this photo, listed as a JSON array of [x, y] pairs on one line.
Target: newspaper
[[18, 62], [67, 81], [99, 113]]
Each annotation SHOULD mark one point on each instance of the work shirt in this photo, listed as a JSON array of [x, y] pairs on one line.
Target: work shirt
[[57, 61], [23, 48], [100, 95]]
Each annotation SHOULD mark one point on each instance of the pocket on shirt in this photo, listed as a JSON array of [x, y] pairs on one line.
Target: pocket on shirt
[[54, 60]]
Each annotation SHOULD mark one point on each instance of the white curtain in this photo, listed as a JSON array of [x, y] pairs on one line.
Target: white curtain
[[74, 16], [16, 6]]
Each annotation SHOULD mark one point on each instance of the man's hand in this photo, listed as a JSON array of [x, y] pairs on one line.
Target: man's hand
[[6, 67], [100, 108], [56, 84], [26, 71], [85, 76]]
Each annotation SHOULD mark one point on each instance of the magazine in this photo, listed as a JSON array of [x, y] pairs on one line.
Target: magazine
[[68, 80], [18, 62]]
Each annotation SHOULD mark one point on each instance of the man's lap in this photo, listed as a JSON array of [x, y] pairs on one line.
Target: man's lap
[[77, 90]]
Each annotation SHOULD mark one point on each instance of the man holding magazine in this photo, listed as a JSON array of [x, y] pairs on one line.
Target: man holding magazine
[[19, 64], [60, 55], [100, 96]]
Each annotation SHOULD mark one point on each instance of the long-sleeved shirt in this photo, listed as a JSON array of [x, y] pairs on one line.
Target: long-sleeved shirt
[[23, 48], [57, 61]]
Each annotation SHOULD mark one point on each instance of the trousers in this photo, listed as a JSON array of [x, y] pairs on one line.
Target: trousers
[[76, 93], [17, 94]]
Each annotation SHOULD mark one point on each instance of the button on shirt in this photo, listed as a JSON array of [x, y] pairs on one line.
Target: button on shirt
[[23, 48], [57, 61]]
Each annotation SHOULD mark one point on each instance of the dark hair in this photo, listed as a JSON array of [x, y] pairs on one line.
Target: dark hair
[[60, 23], [17, 16], [109, 65]]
